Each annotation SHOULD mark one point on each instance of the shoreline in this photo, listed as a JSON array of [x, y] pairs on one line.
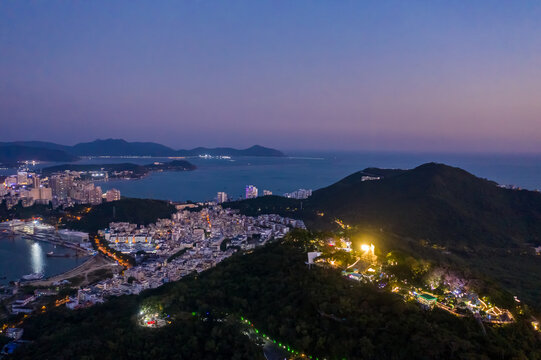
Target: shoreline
[[80, 253], [92, 264]]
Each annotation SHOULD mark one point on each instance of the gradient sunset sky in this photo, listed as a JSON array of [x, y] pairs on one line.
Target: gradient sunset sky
[[448, 76]]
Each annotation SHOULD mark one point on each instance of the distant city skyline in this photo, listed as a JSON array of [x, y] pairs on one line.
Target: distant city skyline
[[415, 76]]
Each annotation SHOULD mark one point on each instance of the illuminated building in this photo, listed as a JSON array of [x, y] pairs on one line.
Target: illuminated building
[[251, 192], [112, 195], [221, 197]]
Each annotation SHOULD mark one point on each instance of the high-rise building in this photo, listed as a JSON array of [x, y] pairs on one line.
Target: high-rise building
[[60, 184], [221, 197], [267, 192], [251, 192], [45, 194], [22, 178], [10, 181], [112, 195], [41, 195], [35, 182], [92, 194]]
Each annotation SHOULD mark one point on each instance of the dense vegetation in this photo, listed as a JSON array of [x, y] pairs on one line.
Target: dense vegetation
[[137, 211], [20, 212], [437, 212], [439, 203], [93, 218], [316, 311]]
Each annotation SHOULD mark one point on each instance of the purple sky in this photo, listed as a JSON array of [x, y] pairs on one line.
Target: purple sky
[[351, 75]]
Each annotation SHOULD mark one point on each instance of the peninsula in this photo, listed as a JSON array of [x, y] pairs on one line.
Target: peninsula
[[124, 170]]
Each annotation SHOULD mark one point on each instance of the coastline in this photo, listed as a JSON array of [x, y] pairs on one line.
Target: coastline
[[78, 253], [82, 272]]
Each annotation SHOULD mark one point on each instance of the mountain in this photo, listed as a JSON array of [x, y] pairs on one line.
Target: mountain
[[120, 147], [13, 153], [435, 202], [38, 144], [255, 150], [435, 212]]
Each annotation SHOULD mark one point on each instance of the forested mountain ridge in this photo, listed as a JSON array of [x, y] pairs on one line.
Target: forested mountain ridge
[[435, 202]]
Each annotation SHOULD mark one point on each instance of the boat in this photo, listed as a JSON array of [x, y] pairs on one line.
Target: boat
[[34, 276], [52, 254]]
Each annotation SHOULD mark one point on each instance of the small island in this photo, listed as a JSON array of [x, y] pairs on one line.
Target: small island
[[123, 170]]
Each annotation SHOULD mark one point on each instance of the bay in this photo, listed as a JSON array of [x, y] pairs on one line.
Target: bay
[[21, 256], [309, 170]]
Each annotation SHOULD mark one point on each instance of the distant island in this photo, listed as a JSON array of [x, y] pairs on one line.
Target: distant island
[[124, 170], [46, 151]]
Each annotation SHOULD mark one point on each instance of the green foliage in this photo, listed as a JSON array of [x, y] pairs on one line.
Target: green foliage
[[434, 212], [137, 211], [315, 310], [20, 212]]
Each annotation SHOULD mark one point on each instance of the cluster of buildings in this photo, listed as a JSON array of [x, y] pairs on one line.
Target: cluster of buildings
[[252, 192], [299, 194], [191, 241], [207, 228], [62, 189]]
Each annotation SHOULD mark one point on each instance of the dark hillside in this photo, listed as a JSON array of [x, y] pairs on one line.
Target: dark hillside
[[436, 202]]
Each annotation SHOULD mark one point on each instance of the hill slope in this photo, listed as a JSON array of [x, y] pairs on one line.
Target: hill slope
[[316, 311], [439, 203], [119, 147]]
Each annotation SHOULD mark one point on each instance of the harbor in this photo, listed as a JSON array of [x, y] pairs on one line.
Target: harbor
[[31, 251]]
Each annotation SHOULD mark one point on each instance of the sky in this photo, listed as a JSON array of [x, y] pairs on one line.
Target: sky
[[452, 76]]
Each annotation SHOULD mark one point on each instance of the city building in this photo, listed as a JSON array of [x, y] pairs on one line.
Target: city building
[[94, 195], [61, 185], [251, 192], [36, 182], [299, 194], [221, 197], [22, 178], [267, 192], [112, 195]]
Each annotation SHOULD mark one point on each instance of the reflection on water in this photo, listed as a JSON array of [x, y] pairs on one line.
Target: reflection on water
[[36, 257], [20, 256]]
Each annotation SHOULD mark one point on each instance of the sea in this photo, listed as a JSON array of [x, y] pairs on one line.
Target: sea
[[307, 170], [21, 256]]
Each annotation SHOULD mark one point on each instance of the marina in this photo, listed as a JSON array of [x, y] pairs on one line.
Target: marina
[[30, 257]]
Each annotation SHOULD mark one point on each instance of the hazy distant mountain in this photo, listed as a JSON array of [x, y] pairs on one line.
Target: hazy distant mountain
[[14, 153], [120, 147], [38, 144], [255, 150]]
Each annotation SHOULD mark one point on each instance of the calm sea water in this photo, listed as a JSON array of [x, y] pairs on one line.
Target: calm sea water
[[19, 256], [310, 171]]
